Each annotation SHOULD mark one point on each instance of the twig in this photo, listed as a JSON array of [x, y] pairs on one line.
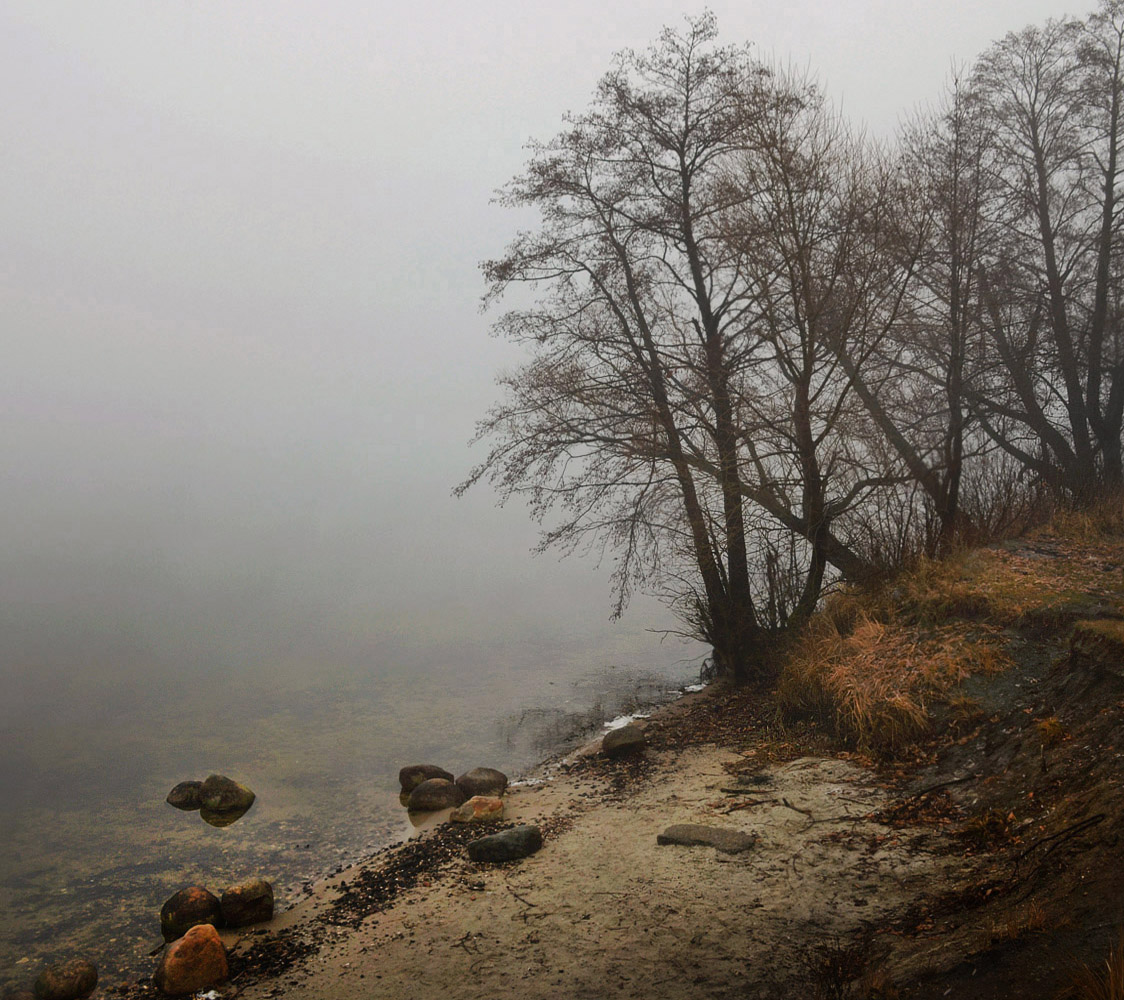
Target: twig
[[942, 784], [1064, 835], [522, 899]]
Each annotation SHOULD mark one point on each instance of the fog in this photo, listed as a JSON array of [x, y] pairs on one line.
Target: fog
[[239, 312]]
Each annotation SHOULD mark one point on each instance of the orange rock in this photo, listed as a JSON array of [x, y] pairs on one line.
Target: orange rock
[[197, 961], [479, 809]]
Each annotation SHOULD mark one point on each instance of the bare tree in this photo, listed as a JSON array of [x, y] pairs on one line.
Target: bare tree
[[1050, 97], [623, 419]]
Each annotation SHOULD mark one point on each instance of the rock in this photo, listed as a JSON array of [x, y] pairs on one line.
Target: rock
[[413, 775], [433, 794], [482, 781], [696, 835], [221, 794], [507, 845], [619, 742], [196, 961], [188, 907], [1098, 645], [251, 902], [479, 809], [186, 795], [74, 979], [20, 995], [248, 903]]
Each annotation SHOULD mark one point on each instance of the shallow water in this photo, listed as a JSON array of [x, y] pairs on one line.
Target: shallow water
[[91, 850]]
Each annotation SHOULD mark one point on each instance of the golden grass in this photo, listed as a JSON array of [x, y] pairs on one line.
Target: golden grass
[[874, 684], [1105, 983], [1051, 730], [873, 662]]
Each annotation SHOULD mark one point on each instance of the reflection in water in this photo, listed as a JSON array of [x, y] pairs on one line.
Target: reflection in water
[[91, 850], [222, 819]]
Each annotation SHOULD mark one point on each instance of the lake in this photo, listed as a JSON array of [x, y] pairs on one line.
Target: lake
[[92, 850]]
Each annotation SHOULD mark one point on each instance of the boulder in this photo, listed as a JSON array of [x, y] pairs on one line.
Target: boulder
[[186, 795], [623, 741], [20, 995], [70, 981], [413, 775], [196, 961], [220, 794], [479, 809], [434, 794], [507, 845], [248, 903], [188, 907], [697, 835], [482, 781]]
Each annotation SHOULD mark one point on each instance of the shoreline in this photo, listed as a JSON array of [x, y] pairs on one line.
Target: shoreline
[[603, 900]]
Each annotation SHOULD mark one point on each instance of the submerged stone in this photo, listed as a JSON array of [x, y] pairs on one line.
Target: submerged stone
[[186, 795], [188, 908], [414, 774], [220, 794], [71, 981], [221, 819]]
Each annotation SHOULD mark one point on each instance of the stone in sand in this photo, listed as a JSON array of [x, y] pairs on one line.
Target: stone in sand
[[479, 809], [70, 981], [483, 781], [248, 903], [188, 907], [626, 740], [186, 795], [413, 775], [221, 794], [507, 845], [197, 961], [434, 794], [696, 835]]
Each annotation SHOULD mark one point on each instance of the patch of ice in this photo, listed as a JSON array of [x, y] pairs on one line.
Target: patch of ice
[[623, 720]]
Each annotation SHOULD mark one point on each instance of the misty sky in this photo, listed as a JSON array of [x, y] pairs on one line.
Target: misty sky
[[242, 348]]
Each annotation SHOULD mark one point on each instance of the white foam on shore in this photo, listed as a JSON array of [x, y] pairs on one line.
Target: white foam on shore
[[692, 688], [623, 720]]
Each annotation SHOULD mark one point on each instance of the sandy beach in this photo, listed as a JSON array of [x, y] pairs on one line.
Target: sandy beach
[[603, 909]]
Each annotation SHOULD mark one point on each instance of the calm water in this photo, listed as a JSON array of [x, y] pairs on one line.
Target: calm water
[[91, 850]]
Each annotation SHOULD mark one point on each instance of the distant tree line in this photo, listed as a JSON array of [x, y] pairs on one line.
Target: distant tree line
[[766, 353]]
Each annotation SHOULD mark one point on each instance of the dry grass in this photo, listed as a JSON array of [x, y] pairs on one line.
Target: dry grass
[[1104, 520], [1019, 923], [874, 684], [1105, 983], [872, 663], [1051, 730]]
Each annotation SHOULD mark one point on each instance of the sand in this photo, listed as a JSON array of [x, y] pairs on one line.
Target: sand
[[603, 910]]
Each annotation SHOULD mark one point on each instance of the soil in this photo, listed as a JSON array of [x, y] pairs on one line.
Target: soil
[[984, 863]]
